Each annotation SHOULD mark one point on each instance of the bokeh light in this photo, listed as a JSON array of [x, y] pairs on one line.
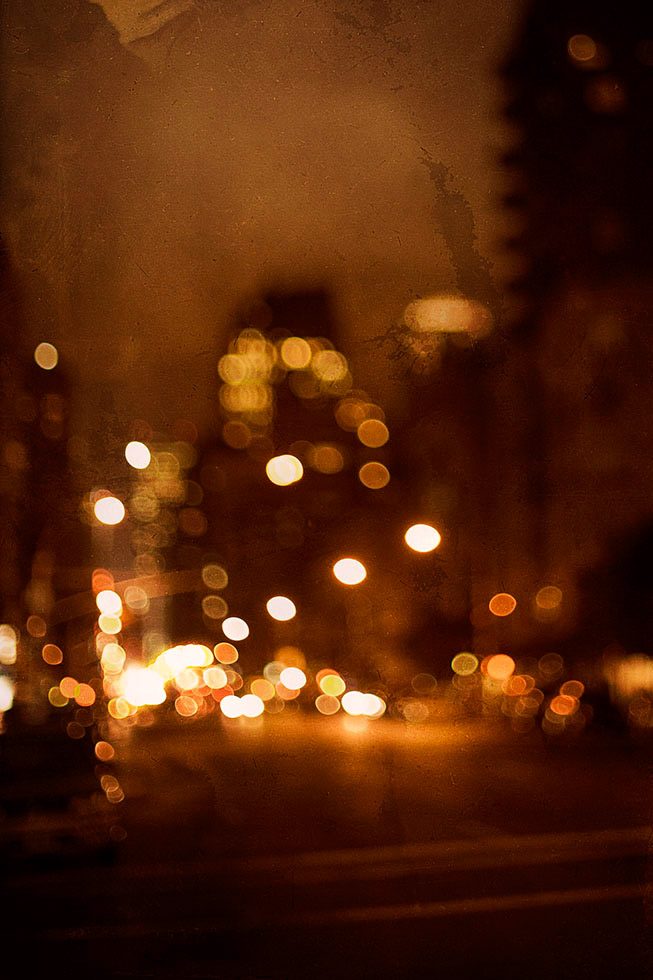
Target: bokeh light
[[373, 433], [332, 684], [502, 604], [46, 356], [52, 654], [292, 678], [549, 597], [499, 667], [142, 685], [226, 653], [109, 602], [235, 628], [214, 576], [231, 707], [251, 706], [326, 704], [464, 664], [422, 538], [109, 510], [374, 475], [138, 455], [350, 571], [296, 353], [284, 470], [281, 608]]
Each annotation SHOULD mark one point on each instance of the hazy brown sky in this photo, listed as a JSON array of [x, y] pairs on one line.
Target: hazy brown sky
[[150, 187]]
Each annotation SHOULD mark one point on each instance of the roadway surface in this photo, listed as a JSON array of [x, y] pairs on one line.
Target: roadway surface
[[302, 846]]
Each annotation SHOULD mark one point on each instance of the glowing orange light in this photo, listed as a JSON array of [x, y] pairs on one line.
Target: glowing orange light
[[101, 579], [84, 695], [581, 47], [46, 356], [448, 314], [500, 667], [374, 475], [350, 571], [563, 705], [104, 751], [262, 688], [226, 653], [422, 538], [326, 704], [52, 654], [36, 626], [373, 433], [186, 706], [67, 686], [572, 689], [502, 604], [296, 353]]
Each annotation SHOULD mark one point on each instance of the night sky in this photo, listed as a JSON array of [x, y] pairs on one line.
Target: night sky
[[154, 185]]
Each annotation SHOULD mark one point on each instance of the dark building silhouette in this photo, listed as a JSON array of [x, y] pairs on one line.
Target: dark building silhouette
[[580, 83]]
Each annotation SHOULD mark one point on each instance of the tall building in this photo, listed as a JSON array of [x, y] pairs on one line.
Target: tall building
[[580, 85]]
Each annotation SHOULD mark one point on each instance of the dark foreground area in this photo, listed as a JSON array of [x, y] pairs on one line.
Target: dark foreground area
[[317, 847]]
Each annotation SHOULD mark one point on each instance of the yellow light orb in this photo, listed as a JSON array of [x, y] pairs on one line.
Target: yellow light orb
[[214, 576], [109, 510], [46, 356], [109, 602], [350, 571], [293, 678], [296, 353], [138, 455], [422, 538], [109, 624], [235, 628], [281, 608], [284, 470], [464, 664], [332, 684]]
